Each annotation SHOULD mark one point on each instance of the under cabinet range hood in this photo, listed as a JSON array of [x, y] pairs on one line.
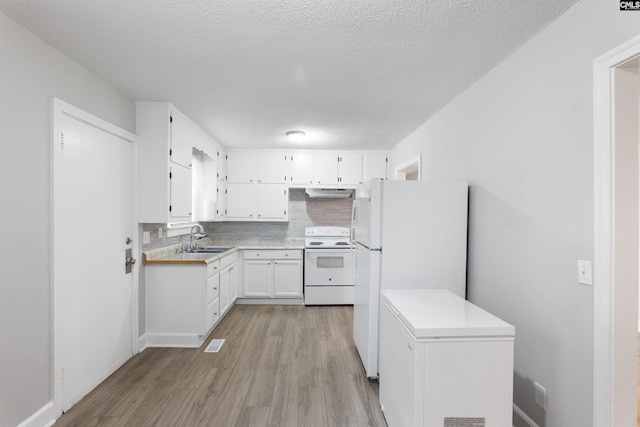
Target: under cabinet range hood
[[328, 193]]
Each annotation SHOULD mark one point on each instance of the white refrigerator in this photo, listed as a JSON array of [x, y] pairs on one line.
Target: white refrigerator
[[408, 235]]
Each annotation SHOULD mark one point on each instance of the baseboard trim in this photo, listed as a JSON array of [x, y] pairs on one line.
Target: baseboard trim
[[524, 416], [142, 343], [43, 417], [269, 301]]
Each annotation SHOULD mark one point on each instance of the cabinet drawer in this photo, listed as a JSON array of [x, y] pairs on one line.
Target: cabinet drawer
[[213, 313], [213, 287], [228, 260], [213, 268], [273, 254]]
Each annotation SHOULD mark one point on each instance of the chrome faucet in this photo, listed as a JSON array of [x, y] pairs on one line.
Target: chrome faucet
[[198, 236]]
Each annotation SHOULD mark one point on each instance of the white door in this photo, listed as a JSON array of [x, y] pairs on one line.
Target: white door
[[93, 217]]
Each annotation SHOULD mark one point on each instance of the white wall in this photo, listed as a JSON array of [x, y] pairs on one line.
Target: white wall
[[31, 72], [523, 138]]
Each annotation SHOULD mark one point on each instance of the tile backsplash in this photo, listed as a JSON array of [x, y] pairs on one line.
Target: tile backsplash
[[303, 212]]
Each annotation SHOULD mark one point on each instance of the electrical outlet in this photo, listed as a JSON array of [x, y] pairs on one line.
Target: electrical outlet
[[584, 273], [540, 395], [146, 237], [159, 232]]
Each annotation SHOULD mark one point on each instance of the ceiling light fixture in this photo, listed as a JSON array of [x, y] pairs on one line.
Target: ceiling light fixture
[[296, 136]]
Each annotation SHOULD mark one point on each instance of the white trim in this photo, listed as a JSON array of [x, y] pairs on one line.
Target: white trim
[[524, 416], [43, 417], [58, 109], [269, 301], [604, 149], [142, 343], [400, 170]]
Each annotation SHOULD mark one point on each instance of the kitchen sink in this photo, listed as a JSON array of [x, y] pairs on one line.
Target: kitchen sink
[[209, 250]]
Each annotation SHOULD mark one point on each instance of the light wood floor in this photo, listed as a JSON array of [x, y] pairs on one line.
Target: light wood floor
[[279, 366]]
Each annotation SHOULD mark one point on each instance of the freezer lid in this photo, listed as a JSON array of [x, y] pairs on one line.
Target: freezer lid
[[439, 313]]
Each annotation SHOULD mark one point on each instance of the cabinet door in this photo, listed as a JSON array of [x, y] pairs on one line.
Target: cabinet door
[[183, 137], [222, 165], [225, 299], [302, 168], [273, 167], [241, 201], [325, 168], [180, 193], [242, 166], [233, 282], [221, 201], [375, 166], [350, 168], [287, 278], [257, 278], [273, 201]]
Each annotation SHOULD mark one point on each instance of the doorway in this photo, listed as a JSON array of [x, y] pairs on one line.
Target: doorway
[[94, 297], [616, 242], [410, 170]]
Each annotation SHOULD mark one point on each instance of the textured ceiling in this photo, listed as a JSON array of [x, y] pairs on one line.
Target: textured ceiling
[[351, 73]]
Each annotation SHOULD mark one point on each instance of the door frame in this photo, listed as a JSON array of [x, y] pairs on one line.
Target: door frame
[[58, 109], [604, 373]]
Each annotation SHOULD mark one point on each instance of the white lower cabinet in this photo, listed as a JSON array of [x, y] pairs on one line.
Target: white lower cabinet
[[443, 361], [272, 274], [184, 302]]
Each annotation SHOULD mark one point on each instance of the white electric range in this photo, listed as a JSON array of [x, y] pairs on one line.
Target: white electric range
[[328, 266]]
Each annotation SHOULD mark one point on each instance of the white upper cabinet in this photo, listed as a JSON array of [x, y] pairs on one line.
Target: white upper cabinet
[[242, 166], [256, 202], [350, 168], [241, 201], [273, 202], [302, 168], [325, 168], [166, 139], [184, 136], [375, 165], [273, 167]]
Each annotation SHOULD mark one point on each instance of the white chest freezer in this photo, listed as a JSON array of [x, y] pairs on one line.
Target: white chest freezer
[[444, 362]]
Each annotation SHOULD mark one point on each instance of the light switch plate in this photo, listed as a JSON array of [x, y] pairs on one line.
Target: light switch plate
[[585, 276], [159, 232], [146, 237]]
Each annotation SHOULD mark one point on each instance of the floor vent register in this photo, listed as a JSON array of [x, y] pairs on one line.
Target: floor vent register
[[214, 346]]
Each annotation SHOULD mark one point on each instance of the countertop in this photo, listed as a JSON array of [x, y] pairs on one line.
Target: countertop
[[174, 255]]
